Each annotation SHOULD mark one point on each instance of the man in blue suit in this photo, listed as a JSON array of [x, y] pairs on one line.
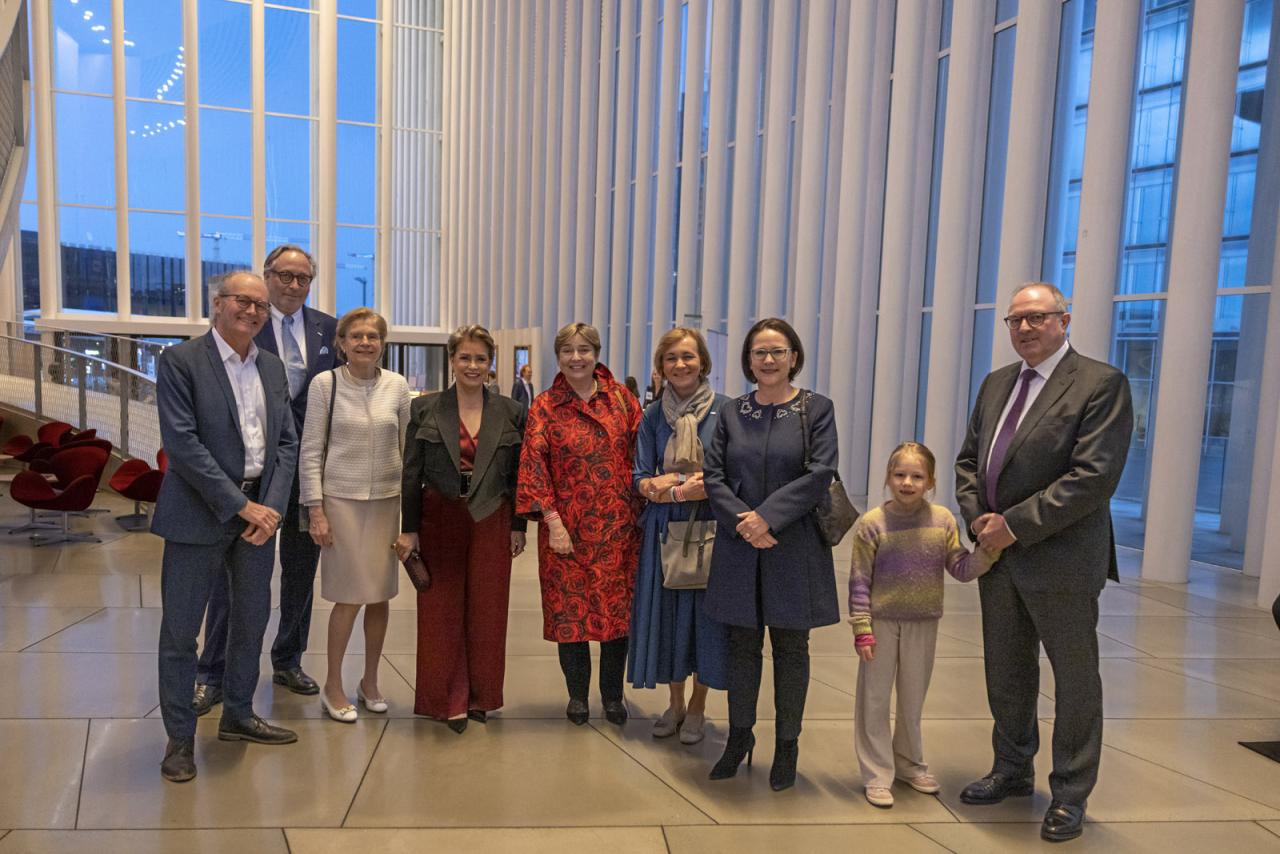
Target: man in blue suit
[[522, 390], [303, 339], [229, 434]]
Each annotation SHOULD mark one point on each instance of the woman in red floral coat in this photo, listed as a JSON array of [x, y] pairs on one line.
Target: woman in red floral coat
[[575, 479]]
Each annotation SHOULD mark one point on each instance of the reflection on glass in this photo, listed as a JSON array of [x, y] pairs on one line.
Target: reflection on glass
[[225, 244], [88, 238], [922, 374], [984, 328], [82, 36], [29, 224], [296, 233], [226, 154], [157, 264], [935, 184], [997, 147], [357, 184], [224, 53], [155, 61], [289, 168], [287, 74], [1135, 349], [86, 170], [157, 155], [1006, 9], [354, 256]]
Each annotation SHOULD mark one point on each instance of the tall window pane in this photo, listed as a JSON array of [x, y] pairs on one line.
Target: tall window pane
[[82, 45], [288, 147], [226, 155], [154, 55], [287, 74], [357, 173], [357, 71], [224, 53], [157, 264], [1135, 350], [156, 156], [356, 285], [88, 237], [86, 169]]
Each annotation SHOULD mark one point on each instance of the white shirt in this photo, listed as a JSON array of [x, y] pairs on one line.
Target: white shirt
[[1043, 371], [299, 331], [251, 403]]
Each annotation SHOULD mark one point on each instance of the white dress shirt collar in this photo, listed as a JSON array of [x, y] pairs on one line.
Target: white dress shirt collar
[[226, 351], [1045, 369]]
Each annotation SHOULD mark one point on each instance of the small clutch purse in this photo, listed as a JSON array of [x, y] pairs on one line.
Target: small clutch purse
[[416, 569]]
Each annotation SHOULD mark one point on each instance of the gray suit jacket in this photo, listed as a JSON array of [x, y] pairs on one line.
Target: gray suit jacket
[[200, 430], [1059, 473]]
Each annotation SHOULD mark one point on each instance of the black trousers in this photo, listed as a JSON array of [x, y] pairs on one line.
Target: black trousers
[[1014, 624], [575, 661], [790, 677]]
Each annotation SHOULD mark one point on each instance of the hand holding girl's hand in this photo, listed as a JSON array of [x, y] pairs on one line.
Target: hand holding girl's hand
[[867, 652], [517, 543]]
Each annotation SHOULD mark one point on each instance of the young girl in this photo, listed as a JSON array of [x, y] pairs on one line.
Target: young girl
[[895, 601]]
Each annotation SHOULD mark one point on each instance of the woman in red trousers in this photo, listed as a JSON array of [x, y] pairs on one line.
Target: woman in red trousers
[[460, 458], [575, 478]]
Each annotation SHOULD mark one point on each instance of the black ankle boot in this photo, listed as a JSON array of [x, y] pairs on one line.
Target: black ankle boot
[[577, 712], [783, 773], [741, 744], [615, 712]]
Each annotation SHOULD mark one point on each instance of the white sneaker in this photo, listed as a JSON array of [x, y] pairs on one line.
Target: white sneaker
[[926, 783], [878, 796]]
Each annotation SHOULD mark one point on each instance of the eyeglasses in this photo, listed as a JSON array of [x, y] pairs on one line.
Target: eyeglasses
[[245, 303], [468, 359], [778, 354], [289, 278], [364, 336], [576, 351], [1035, 319]]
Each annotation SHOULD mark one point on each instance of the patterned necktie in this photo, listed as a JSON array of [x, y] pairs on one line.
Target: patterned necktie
[[1005, 437], [294, 366]]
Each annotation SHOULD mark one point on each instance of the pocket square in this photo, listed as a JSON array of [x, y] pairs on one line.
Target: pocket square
[[324, 350]]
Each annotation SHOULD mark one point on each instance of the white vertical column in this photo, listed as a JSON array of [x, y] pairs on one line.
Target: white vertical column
[[664, 245], [1268, 536], [498, 166], [775, 162], [956, 249], [446, 172], [1026, 184], [814, 123], [46, 168], [716, 208], [557, 56], [482, 241], [1194, 249], [387, 91], [746, 190], [859, 153], [573, 170], [895, 262], [191, 147], [606, 107], [326, 211], [539, 180], [1262, 547], [512, 154], [651, 74], [474, 239], [520, 278], [622, 186], [258, 128], [120, 133], [589, 74], [691, 169]]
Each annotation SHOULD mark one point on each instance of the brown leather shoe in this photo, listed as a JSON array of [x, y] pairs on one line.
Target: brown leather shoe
[[179, 763]]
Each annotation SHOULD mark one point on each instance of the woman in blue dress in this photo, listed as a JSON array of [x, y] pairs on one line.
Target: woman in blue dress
[[671, 637]]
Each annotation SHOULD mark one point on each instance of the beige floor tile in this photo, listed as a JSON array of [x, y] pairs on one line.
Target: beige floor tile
[[1180, 597], [269, 841], [19, 557], [509, 774], [1176, 637], [525, 840], [402, 632], [1262, 626], [968, 628], [1251, 675], [1184, 837], [1132, 689], [276, 702], [59, 590], [746, 839], [42, 762], [22, 627], [1205, 750], [524, 634], [828, 788], [1123, 601], [958, 689], [133, 554], [109, 630], [1228, 586], [307, 784], [77, 685], [1273, 826]]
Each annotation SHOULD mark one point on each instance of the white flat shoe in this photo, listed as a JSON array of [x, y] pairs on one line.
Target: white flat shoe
[[373, 704], [879, 796], [691, 730], [343, 714], [667, 725]]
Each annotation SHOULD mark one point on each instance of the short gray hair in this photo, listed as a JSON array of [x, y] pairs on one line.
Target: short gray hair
[[1059, 298], [274, 255], [218, 283]]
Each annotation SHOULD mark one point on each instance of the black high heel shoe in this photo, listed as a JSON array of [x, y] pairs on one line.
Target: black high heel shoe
[[741, 744], [783, 773], [478, 715], [615, 712], [577, 712], [458, 725]]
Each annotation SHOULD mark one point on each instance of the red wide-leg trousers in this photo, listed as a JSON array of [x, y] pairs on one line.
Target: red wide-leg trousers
[[462, 618]]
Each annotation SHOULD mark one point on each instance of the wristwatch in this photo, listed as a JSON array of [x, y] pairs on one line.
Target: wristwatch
[[681, 477]]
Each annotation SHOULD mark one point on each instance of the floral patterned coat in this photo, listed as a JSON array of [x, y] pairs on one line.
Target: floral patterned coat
[[576, 460]]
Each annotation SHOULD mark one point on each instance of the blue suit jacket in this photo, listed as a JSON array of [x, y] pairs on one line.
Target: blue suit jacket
[[200, 431], [322, 330]]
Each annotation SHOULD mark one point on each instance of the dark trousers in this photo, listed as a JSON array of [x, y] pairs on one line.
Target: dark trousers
[[575, 661], [790, 677], [188, 575], [299, 556], [462, 618], [1014, 624]]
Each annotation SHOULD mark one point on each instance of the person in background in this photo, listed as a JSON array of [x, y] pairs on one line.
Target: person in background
[[575, 479], [654, 389], [349, 470], [632, 386], [671, 636], [522, 388], [770, 568], [459, 475], [492, 384]]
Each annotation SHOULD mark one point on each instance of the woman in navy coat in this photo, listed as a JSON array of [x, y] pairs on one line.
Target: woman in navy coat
[[769, 567]]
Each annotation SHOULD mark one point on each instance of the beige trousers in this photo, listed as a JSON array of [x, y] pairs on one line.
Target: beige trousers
[[903, 659]]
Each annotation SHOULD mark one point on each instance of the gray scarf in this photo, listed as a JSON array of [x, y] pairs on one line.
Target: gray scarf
[[684, 448]]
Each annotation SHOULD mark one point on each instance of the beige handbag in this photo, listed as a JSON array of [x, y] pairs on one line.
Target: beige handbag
[[686, 553]]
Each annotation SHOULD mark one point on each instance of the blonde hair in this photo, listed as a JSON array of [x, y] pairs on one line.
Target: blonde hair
[[920, 452], [360, 315], [474, 332], [588, 332], [674, 337]]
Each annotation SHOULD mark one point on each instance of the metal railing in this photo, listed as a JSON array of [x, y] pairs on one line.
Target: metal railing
[[85, 391], [140, 354]]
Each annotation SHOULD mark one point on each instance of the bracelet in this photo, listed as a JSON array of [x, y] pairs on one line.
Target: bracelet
[[675, 493], [550, 517]]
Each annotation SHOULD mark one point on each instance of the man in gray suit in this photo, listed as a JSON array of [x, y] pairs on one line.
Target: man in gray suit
[[228, 430], [522, 389], [1043, 453]]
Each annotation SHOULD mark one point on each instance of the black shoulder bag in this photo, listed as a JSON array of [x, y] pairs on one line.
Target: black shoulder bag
[[835, 513]]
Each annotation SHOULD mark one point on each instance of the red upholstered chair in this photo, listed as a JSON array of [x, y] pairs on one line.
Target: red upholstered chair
[[54, 432], [32, 490], [140, 483], [23, 448]]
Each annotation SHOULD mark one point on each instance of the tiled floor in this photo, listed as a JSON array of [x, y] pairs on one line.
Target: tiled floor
[[1188, 670]]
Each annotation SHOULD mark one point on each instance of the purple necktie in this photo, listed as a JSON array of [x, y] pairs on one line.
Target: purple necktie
[[1001, 444]]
